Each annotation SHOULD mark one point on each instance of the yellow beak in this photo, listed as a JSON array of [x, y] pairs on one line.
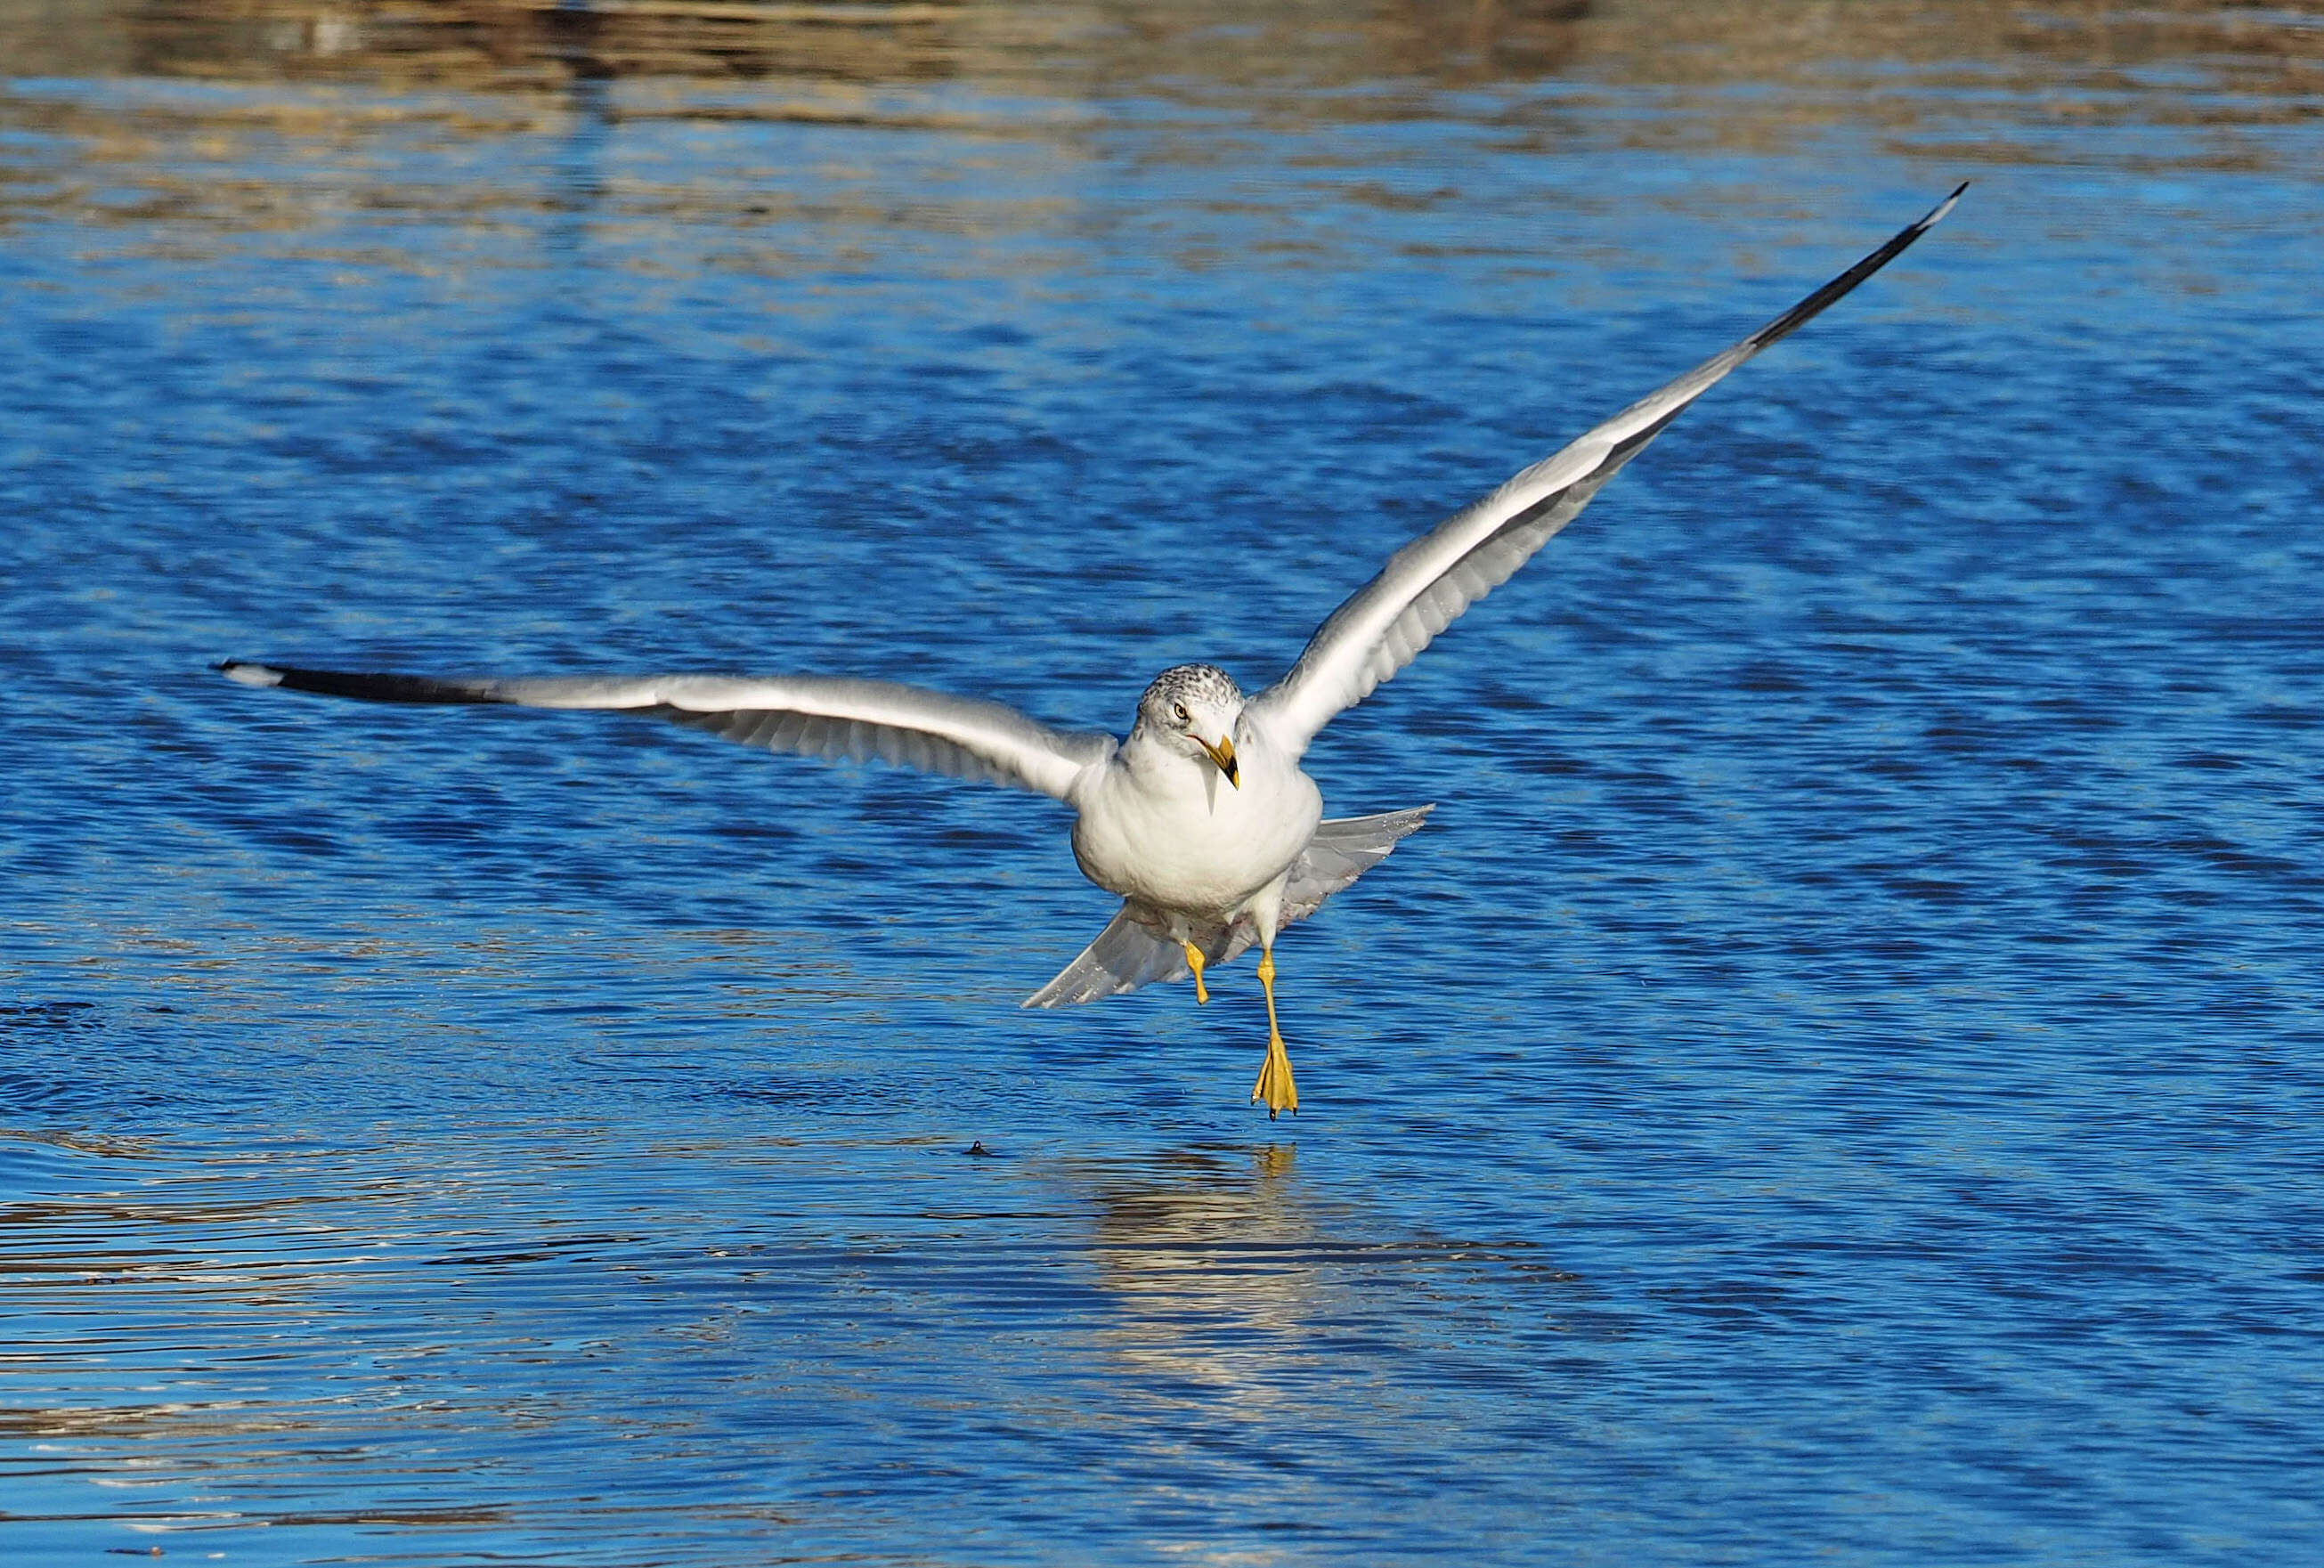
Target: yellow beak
[[1224, 755]]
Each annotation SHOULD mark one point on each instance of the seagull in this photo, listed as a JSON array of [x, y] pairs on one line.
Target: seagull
[[1201, 822]]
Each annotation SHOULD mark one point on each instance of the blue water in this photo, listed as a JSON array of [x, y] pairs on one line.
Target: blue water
[[1840, 1076]]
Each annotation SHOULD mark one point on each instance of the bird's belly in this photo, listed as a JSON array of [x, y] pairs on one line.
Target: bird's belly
[[1200, 855]]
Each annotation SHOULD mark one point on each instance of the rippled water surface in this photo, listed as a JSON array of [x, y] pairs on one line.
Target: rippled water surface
[[1839, 1078]]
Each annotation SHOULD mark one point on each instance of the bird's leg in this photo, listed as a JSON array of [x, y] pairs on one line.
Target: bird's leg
[[1275, 1086], [1194, 962]]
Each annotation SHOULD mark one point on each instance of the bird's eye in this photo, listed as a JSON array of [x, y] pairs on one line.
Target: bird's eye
[[1183, 714]]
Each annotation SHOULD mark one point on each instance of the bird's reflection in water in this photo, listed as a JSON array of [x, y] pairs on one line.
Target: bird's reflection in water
[[1217, 1261]]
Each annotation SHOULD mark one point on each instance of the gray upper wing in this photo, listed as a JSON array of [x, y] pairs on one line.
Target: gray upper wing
[[813, 716], [1432, 579]]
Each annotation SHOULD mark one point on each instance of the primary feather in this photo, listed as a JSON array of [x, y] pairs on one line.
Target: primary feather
[[813, 716], [1428, 582]]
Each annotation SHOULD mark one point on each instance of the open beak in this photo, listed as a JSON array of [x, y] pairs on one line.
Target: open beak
[[1224, 755]]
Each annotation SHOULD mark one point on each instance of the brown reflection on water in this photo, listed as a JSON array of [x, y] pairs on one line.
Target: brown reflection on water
[[474, 44], [1186, 47], [340, 106]]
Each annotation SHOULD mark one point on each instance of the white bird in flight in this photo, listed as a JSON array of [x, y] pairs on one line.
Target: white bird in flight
[[1203, 821]]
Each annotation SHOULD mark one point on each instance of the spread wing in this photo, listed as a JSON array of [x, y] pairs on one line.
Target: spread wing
[[1436, 576], [815, 715]]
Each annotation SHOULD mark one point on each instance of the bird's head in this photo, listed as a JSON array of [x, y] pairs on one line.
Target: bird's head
[[1192, 709]]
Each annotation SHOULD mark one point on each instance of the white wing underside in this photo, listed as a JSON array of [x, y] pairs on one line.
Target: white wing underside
[[1138, 946], [1432, 580], [813, 716]]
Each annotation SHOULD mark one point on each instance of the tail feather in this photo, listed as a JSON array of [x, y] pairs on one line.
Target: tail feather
[[1137, 947], [1341, 850]]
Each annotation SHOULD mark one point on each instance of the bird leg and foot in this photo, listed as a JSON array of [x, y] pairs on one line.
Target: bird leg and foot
[[1194, 962], [1275, 1086]]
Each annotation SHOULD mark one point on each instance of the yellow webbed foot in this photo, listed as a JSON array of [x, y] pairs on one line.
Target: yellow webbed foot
[[1194, 962], [1275, 1086]]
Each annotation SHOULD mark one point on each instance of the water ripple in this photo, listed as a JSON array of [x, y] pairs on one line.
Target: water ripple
[[1838, 1075]]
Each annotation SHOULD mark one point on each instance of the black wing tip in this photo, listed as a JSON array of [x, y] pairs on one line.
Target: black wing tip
[[404, 688], [1814, 305], [1937, 213]]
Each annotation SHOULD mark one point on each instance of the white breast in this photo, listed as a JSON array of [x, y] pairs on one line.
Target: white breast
[[1170, 831]]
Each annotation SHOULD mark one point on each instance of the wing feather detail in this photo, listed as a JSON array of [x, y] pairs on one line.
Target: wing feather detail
[[814, 715], [1427, 583]]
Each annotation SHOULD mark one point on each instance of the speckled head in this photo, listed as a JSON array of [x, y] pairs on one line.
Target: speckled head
[[1192, 708], [1194, 687]]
